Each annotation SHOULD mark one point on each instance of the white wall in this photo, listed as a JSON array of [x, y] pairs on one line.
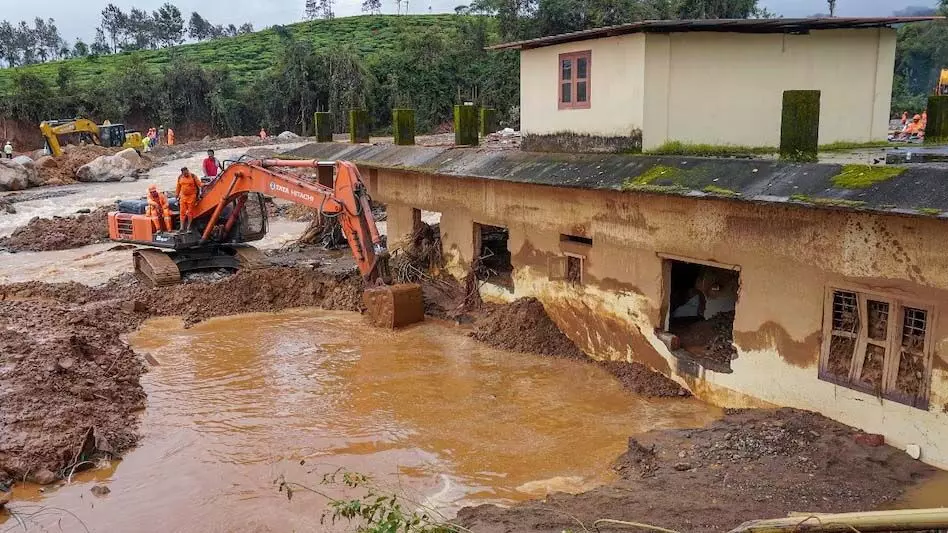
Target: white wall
[[728, 88], [616, 88]]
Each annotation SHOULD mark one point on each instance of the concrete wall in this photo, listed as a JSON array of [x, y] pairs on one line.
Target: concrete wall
[[728, 88], [716, 88], [617, 84], [787, 256]]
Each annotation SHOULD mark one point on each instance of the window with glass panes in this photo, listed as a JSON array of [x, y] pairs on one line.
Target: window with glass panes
[[575, 71]]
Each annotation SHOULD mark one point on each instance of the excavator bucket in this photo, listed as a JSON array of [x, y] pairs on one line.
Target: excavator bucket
[[394, 306]]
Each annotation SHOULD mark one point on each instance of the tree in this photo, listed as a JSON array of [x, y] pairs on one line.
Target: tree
[[141, 30], [372, 6], [198, 27], [8, 45], [99, 46], [832, 7], [231, 30], [245, 28], [25, 39], [114, 22], [168, 24], [716, 9], [80, 49]]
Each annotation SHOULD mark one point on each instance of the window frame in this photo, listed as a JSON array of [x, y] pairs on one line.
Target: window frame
[[574, 80], [892, 345]]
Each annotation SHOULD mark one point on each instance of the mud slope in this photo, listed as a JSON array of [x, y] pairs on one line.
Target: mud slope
[[750, 465], [59, 233], [64, 370]]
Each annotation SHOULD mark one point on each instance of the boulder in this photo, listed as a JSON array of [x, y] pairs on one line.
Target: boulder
[[14, 176], [287, 135], [128, 179], [132, 156], [37, 154], [43, 477], [46, 161], [24, 160], [106, 168]]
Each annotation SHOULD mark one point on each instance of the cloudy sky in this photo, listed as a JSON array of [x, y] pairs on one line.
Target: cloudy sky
[[79, 18]]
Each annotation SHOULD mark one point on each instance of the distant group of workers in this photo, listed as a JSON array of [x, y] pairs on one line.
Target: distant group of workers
[[912, 129], [188, 193], [155, 136]]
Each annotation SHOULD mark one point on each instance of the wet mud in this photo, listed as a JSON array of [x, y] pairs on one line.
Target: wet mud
[[59, 233], [752, 464]]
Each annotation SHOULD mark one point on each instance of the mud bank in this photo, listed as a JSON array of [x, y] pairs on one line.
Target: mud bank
[[66, 376], [59, 233], [749, 465]]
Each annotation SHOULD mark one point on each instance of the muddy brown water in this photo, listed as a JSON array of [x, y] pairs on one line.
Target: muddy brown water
[[427, 412]]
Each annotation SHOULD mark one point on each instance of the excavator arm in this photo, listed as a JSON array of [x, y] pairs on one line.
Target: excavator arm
[[52, 129], [347, 199]]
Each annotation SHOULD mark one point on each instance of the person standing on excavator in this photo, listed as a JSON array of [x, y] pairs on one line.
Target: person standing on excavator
[[211, 166], [158, 209], [188, 192]]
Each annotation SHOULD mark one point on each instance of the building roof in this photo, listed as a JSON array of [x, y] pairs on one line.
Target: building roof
[[779, 25], [920, 190]]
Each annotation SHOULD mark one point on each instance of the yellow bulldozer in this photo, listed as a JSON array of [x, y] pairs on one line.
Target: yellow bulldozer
[[106, 134]]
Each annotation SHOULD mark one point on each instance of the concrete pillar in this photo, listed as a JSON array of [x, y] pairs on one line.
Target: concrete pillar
[[937, 129], [323, 120], [403, 126], [358, 126], [400, 219], [465, 125], [488, 121], [800, 126]]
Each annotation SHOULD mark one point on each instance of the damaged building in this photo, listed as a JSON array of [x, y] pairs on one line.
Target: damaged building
[[752, 282]]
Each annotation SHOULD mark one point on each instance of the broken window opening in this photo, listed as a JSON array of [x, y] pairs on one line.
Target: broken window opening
[[423, 253], [493, 261], [877, 345], [576, 239], [574, 269], [701, 303]]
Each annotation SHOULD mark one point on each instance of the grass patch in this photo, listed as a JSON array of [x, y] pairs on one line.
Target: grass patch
[[721, 191], [647, 187], [709, 150], [930, 211], [655, 173], [840, 146], [864, 176], [831, 202]]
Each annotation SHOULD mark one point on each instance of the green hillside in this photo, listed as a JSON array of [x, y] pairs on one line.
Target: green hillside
[[248, 55]]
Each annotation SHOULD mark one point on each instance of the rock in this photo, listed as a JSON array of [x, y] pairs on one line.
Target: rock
[[43, 477], [134, 306], [206, 138], [14, 176], [128, 179], [287, 135], [36, 155], [132, 156], [100, 490], [24, 160], [46, 161], [106, 168], [914, 451], [682, 467], [65, 363], [83, 211], [5, 497], [872, 440]]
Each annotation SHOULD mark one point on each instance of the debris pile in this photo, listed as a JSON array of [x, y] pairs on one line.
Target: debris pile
[[751, 464], [62, 170], [644, 381], [720, 348], [523, 326], [59, 233], [420, 257]]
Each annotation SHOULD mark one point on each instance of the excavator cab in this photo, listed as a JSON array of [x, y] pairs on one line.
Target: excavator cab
[[112, 135]]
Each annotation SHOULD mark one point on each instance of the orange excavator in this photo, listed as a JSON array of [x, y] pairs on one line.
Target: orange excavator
[[231, 213]]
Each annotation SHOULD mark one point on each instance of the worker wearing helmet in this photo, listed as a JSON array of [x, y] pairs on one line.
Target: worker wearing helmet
[[914, 128], [158, 209], [188, 191]]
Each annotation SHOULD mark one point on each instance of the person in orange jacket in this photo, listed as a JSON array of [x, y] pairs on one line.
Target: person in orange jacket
[[188, 191], [263, 134], [170, 137], [158, 209]]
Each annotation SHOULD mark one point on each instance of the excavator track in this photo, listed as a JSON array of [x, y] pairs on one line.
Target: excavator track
[[250, 258], [156, 268]]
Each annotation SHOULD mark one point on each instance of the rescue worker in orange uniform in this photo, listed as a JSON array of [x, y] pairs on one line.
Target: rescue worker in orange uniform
[[170, 137], [188, 191], [158, 209]]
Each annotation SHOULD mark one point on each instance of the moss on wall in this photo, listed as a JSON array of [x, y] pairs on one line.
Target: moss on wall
[[710, 150], [358, 126], [488, 121], [832, 202], [579, 143], [864, 176], [465, 125], [930, 211], [403, 126], [323, 120], [669, 178], [800, 126], [721, 191], [936, 131]]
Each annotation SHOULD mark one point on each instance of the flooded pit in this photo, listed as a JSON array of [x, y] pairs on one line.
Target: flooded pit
[[236, 402]]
